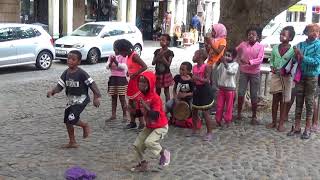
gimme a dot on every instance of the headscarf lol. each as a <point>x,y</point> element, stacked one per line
<point>220,30</point>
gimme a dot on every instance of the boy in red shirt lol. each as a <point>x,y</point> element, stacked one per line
<point>156,124</point>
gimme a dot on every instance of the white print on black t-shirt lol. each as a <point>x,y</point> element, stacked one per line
<point>71,117</point>
<point>72,83</point>
<point>183,87</point>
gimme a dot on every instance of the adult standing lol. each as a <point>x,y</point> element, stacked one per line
<point>195,27</point>
<point>250,57</point>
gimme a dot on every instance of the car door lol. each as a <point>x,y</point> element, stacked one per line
<point>27,44</point>
<point>8,51</point>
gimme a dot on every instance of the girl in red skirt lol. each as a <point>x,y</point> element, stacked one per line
<point>162,59</point>
<point>135,67</point>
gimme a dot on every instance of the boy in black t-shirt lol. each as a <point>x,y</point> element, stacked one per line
<point>183,87</point>
<point>76,82</point>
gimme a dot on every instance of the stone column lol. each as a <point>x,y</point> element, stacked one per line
<point>309,13</point>
<point>69,16</point>
<point>132,9</point>
<point>122,11</point>
<point>53,18</point>
<point>171,7</point>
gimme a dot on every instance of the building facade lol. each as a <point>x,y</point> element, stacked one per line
<point>304,11</point>
<point>61,17</point>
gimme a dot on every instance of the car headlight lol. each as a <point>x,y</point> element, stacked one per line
<point>78,46</point>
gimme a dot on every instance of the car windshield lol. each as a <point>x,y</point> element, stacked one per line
<point>88,30</point>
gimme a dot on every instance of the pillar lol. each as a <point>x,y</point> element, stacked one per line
<point>132,9</point>
<point>171,7</point>
<point>69,16</point>
<point>54,18</point>
<point>122,11</point>
<point>208,16</point>
<point>309,13</point>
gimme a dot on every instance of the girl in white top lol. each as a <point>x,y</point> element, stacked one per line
<point>227,70</point>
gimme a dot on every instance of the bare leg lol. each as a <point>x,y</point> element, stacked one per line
<point>124,107</point>
<point>85,127</point>
<point>240,104</point>
<point>195,119</point>
<point>114,100</point>
<point>167,93</point>
<point>72,140</point>
<point>158,90</point>
<point>275,105</point>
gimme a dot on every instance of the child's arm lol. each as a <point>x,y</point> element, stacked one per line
<point>174,91</point>
<point>312,60</point>
<point>96,94</point>
<point>218,50</point>
<point>259,59</point>
<point>167,62</point>
<point>138,60</point>
<point>155,57</point>
<point>58,88</point>
<point>232,69</point>
<point>153,110</point>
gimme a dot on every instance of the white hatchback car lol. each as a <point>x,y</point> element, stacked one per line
<point>274,37</point>
<point>22,44</point>
<point>95,40</point>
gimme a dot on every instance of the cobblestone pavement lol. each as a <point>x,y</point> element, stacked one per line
<point>32,132</point>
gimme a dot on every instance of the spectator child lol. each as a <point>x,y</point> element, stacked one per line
<point>76,82</point>
<point>250,57</point>
<point>215,43</point>
<point>281,85</point>
<point>156,124</point>
<point>118,83</point>
<point>183,86</point>
<point>202,93</point>
<point>226,70</point>
<point>308,53</point>
<point>162,59</point>
<point>135,67</point>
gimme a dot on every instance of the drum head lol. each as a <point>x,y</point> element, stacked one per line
<point>181,111</point>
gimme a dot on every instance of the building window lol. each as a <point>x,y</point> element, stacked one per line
<point>101,10</point>
<point>315,14</point>
<point>27,11</point>
<point>91,7</point>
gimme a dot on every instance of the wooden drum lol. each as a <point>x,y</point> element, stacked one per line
<point>181,111</point>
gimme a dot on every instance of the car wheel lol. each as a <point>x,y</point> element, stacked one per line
<point>44,60</point>
<point>137,48</point>
<point>93,56</point>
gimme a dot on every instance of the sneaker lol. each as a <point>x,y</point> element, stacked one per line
<point>207,137</point>
<point>294,132</point>
<point>131,125</point>
<point>315,129</point>
<point>306,134</point>
<point>141,167</point>
<point>164,158</point>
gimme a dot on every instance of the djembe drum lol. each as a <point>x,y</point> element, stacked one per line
<point>181,111</point>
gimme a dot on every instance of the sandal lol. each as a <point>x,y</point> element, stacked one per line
<point>306,134</point>
<point>294,132</point>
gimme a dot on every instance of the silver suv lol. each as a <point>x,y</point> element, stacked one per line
<point>95,40</point>
<point>22,44</point>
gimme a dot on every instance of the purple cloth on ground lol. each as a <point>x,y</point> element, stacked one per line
<point>77,173</point>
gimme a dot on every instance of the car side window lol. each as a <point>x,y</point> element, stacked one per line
<point>36,32</point>
<point>115,31</point>
<point>25,32</point>
<point>6,34</point>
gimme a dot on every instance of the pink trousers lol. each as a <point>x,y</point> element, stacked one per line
<point>225,98</point>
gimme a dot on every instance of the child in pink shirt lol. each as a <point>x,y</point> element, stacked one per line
<point>118,83</point>
<point>250,57</point>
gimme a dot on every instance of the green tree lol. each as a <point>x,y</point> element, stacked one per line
<point>238,15</point>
